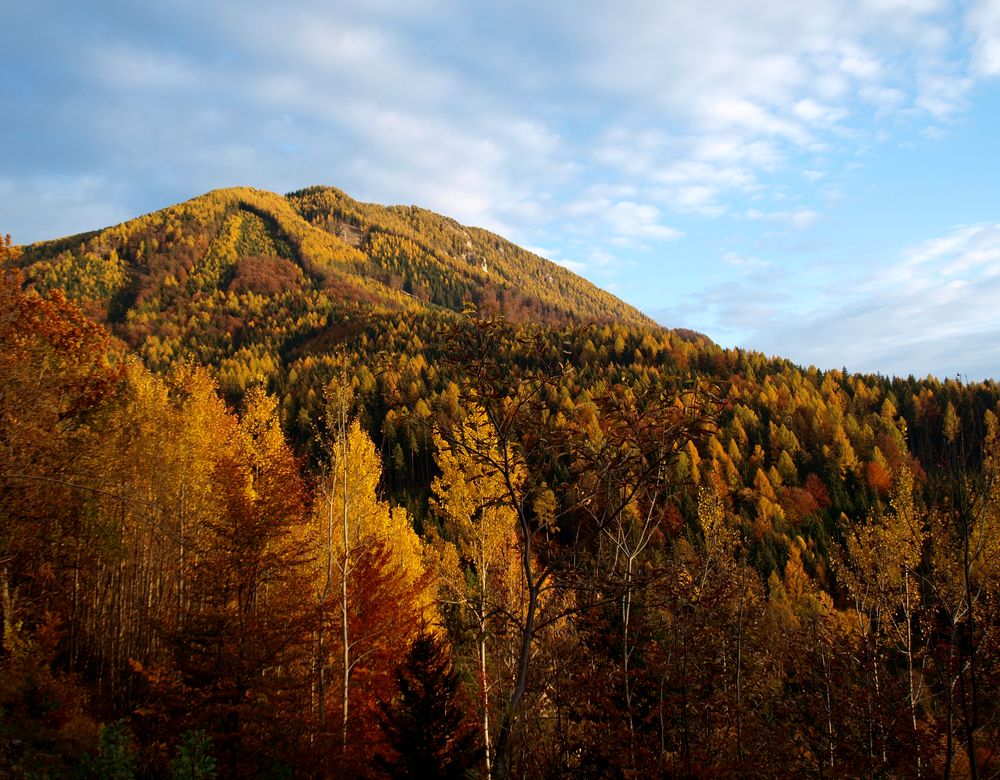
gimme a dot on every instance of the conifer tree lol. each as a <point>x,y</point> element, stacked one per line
<point>426,725</point>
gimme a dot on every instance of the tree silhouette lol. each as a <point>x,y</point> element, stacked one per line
<point>427,725</point>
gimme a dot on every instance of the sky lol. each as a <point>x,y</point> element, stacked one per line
<point>818,180</point>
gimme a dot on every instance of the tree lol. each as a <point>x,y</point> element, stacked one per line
<point>698,677</point>
<point>243,640</point>
<point>477,560</point>
<point>594,468</point>
<point>883,578</point>
<point>55,371</point>
<point>57,374</point>
<point>963,537</point>
<point>426,724</point>
<point>9,253</point>
<point>116,757</point>
<point>371,587</point>
<point>193,760</point>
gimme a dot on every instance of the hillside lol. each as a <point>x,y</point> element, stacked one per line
<point>239,279</point>
<point>315,248</point>
<point>649,555</point>
<point>294,291</point>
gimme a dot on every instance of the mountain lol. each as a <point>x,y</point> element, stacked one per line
<point>650,556</point>
<point>297,290</point>
<point>317,240</point>
<point>240,279</point>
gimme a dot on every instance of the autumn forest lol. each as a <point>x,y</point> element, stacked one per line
<point>298,486</point>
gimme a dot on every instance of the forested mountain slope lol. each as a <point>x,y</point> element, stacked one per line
<point>291,291</point>
<point>648,555</point>
<point>214,258</point>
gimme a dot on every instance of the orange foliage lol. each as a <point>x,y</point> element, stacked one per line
<point>818,490</point>
<point>265,275</point>
<point>878,478</point>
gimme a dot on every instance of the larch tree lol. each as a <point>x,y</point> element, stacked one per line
<point>964,549</point>
<point>57,370</point>
<point>244,638</point>
<point>371,584</point>
<point>477,562</point>
<point>883,579</point>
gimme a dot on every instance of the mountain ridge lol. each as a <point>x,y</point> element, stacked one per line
<point>391,255</point>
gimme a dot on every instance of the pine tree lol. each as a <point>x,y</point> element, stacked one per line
<point>426,725</point>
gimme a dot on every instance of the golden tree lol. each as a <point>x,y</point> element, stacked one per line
<point>371,585</point>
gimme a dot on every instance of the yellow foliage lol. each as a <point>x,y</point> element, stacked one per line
<point>354,472</point>
<point>473,501</point>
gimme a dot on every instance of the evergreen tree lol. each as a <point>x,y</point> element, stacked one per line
<point>115,759</point>
<point>426,725</point>
<point>193,760</point>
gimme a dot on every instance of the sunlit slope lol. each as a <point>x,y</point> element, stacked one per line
<point>445,263</point>
<point>242,240</point>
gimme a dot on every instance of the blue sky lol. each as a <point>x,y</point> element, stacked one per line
<point>818,180</point>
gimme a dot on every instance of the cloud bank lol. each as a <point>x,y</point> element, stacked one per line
<point>933,311</point>
<point>645,143</point>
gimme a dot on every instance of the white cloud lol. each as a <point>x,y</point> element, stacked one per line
<point>732,148</point>
<point>859,64</point>
<point>712,98</point>
<point>813,113</point>
<point>932,311</point>
<point>800,218</point>
<point>126,66</point>
<point>346,101</point>
<point>722,113</point>
<point>733,93</point>
<point>573,265</point>
<point>635,220</point>
<point>983,22</point>
<point>83,203</point>
<point>621,220</point>
<point>597,129</point>
<point>893,8</point>
<point>886,100</point>
<point>942,94</point>
<point>736,260</point>
<point>966,248</point>
<point>602,259</point>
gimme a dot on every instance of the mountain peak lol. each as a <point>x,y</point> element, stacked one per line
<point>246,277</point>
<point>393,255</point>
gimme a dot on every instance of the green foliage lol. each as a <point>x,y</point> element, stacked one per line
<point>193,760</point>
<point>291,292</point>
<point>116,756</point>
<point>85,276</point>
<point>439,261</point>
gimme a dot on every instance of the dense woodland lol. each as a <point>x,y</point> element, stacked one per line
<point>308,487</point>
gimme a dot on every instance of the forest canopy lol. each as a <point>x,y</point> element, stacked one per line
<point>303,485</point>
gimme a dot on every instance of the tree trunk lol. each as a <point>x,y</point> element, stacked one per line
<point>345,572</point>
<point>501,768</point>
<point>484,696</point>
<point>626,655</point>
<point>7,605</point>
